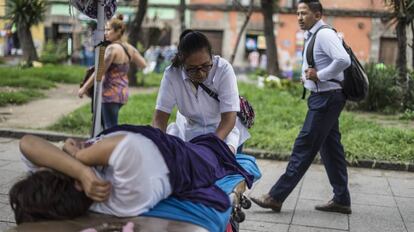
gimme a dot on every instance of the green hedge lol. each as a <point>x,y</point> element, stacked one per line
<point>54,52</point>
<point>18,97</point>
<point>384,96</point>
<point>46,74</point>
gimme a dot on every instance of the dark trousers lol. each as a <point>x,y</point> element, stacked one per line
<point>320,132</point>
<point>110,114</point>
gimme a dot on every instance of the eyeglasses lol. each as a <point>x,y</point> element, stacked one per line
<point>195,70</point>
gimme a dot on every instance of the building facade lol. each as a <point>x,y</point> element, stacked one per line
<point>360,23</point>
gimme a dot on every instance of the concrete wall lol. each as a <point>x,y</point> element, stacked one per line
<point>356,32</point>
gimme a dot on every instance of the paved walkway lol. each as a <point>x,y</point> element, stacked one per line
<point>383,201</point>
<point>46,111</point>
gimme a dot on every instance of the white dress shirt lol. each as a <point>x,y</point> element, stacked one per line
<point>198,113</point>
<point>330,57</point>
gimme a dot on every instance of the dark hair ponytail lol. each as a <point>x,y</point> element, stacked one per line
<point>190,42</point>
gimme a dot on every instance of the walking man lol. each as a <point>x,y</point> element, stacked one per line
<point>320,131</point>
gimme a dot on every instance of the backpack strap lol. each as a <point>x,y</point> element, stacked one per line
<point>310,55</point>
<point>309,50</point>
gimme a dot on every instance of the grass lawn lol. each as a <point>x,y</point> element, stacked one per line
<point>280,115</point>
<point>18,97</point>
<point>19,85</point>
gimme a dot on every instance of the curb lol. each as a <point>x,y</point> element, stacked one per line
<point>48,135</point>
<point>373,164</point>
<point>259,154</point>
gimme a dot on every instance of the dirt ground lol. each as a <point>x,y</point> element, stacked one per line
<point>386,120</point>
<point>44,112</point>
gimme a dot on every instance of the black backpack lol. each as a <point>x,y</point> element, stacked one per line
<point>355,84</point>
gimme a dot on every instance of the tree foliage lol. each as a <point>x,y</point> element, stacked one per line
<point>25,14</point>
<point>402,15</point>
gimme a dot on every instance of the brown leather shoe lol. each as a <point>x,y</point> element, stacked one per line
<point>332,206</point>
<point>267,202</point>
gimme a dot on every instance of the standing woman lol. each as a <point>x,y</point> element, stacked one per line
<point>118,55</point>
<point>198,112</point>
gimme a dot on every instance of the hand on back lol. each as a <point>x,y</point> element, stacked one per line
<point>94,187</point>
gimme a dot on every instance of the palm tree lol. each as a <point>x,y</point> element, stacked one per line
<point>410,95</point>
<point>268,7</point>
<point>25,14</point>
<point>402,15</point>
<point>410,14</point>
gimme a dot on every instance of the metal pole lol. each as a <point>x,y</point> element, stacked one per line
<point>99,54</point>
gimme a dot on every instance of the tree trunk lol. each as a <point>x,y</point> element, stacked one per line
<point>134,30</point>
<point>271,49</point>
<point>402,52</point>
<point>26,43</point>
<point>246,21</point>
<point>182,15</point>
<point>410,96</point>
<point>412,45</point>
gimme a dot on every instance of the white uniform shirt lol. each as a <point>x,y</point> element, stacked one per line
<point>138,174</point>
<point>330,57</point>
<point>198,112</point>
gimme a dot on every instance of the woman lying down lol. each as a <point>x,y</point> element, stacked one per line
<point>124,172</point>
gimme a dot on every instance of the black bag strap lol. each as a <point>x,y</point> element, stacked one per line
<point>210,92</point>
<point>126,51</point>
<point>309,54</point>
<point>309,50</point>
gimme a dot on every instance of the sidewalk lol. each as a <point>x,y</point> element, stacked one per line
<point>382,200</point>
<point>46,111</point>
<point>43,112</point>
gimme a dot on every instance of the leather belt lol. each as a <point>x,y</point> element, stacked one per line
<point>327,92</point>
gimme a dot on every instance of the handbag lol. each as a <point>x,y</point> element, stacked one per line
<point>88,74</point>
<point>246,113</point>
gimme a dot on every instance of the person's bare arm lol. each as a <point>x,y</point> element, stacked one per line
<point>138,60</point>
<point>108,59</point>
<point>100,152</point>
<point>88,84</point>
<point>228,120</point>
<point>160,120</point>
<point>44,154</point>
<point>71,146</point>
